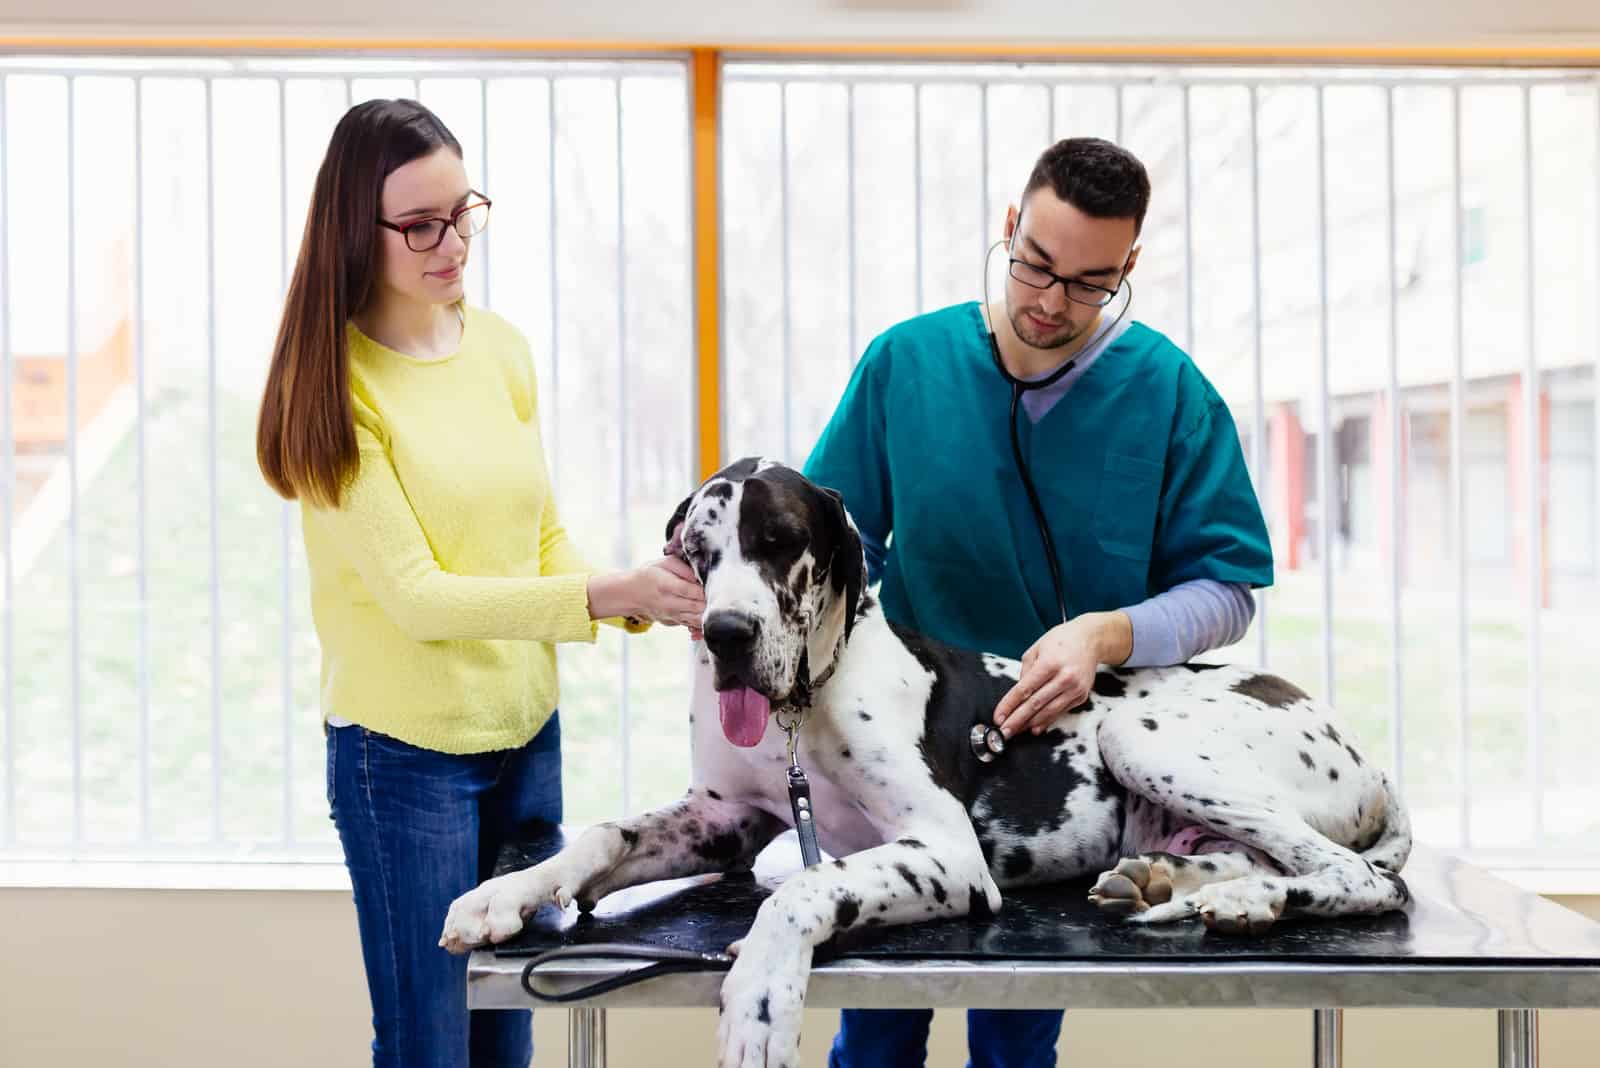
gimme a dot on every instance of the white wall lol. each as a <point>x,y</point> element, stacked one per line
<point>1483,23</point>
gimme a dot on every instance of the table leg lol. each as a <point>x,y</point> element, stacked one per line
<point>1327,1037</point>
<point>586,1038</point>
<point>1519,1038</point>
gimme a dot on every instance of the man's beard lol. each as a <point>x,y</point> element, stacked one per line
<point>1065,334</point>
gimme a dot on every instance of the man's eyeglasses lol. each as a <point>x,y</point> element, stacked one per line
<point>425,235</point>
<point>1078,291</point>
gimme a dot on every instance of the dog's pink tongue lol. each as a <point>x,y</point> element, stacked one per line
<point>744,716</point>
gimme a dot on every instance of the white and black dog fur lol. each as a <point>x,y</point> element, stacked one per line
<point>1253,780</point>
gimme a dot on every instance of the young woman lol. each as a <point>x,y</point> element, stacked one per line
<point>406,424</point>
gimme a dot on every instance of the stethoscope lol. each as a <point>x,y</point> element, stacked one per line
<point>985,739</point>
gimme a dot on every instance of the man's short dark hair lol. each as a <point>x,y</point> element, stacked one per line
<point>1100,179</point>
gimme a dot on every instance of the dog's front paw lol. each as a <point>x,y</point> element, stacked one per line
<point>1239,906</point>
<point>762,1002</point>
<point>496,910</point>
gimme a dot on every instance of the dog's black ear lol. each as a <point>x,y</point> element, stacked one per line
<point>674,545</point>
<point>846,567</point>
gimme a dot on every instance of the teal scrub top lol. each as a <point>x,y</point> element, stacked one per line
<point>1139,469</point>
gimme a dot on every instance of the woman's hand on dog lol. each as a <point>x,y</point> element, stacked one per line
<point>664,591</point>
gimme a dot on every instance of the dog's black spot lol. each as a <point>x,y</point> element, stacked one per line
<point>1144,693</point>
<point>839,864</point>
<point>1305,758</point>
<point>1205,758</point>
<point>1149,724</point>
<point>1167,779</point>
<point>1332,735</point>
<point>1197,668</point>
<point>1082,749</point>
<point>1297,898</point>
<point>938,890</point>
<point>1206,865</point>
<point>1108,685</point>
<point>1398,883</point>
<point>910,877</point>
<point>849,907</point>
<point>1269,690</point>
<point>1353,755</point>
<point>1308,736</point>
<point>631,838</point>
<point>1032,792</point>
<point>845,752</point>
<point>713,794</point>
<point>764,1011</point>
<point>977,904</point>
<point>1333,774</point>
<point>723,491</point>
<point>1107,788</point>
<point>722,847</point>
<point>913,843</point>
<point>1018,862</point>
<point>866,718</point>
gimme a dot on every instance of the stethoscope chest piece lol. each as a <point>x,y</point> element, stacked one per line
<point>987,742</point>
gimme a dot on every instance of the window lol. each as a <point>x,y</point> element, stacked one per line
<point>162,666</point>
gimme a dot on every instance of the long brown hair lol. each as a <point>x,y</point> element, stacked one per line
<point>306,435</point>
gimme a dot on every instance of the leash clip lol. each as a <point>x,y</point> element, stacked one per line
<point>805,822</point>
<point>789,721</point>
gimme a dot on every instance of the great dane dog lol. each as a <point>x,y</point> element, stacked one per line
<point>1210,792</point>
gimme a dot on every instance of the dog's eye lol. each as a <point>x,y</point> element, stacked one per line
<point>783,537</point>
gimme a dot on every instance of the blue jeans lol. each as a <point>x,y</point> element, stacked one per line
<point>898,1038</point>
<point>420,828</point>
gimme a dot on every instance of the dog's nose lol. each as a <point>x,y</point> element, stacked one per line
<point>730,632</point>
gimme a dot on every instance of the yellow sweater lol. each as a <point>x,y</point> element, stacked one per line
<point>443,580</point>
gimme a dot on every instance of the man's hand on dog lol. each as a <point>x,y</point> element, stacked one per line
<point>1058,670</point>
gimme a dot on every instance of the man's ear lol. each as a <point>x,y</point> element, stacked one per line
<point>847,571</point>
<point>1133,259</point>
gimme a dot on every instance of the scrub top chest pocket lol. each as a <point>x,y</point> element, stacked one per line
<point>1125,506</point>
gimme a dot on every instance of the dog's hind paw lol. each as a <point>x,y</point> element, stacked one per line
<point>1133,886</point>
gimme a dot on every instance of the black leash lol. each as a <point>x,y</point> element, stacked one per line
<point>666,962</point>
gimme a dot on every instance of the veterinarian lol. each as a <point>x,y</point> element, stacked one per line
<point>406,424</point>
<point>1120,457</point>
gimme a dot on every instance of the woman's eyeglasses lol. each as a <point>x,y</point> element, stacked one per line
<point>425,235</point>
